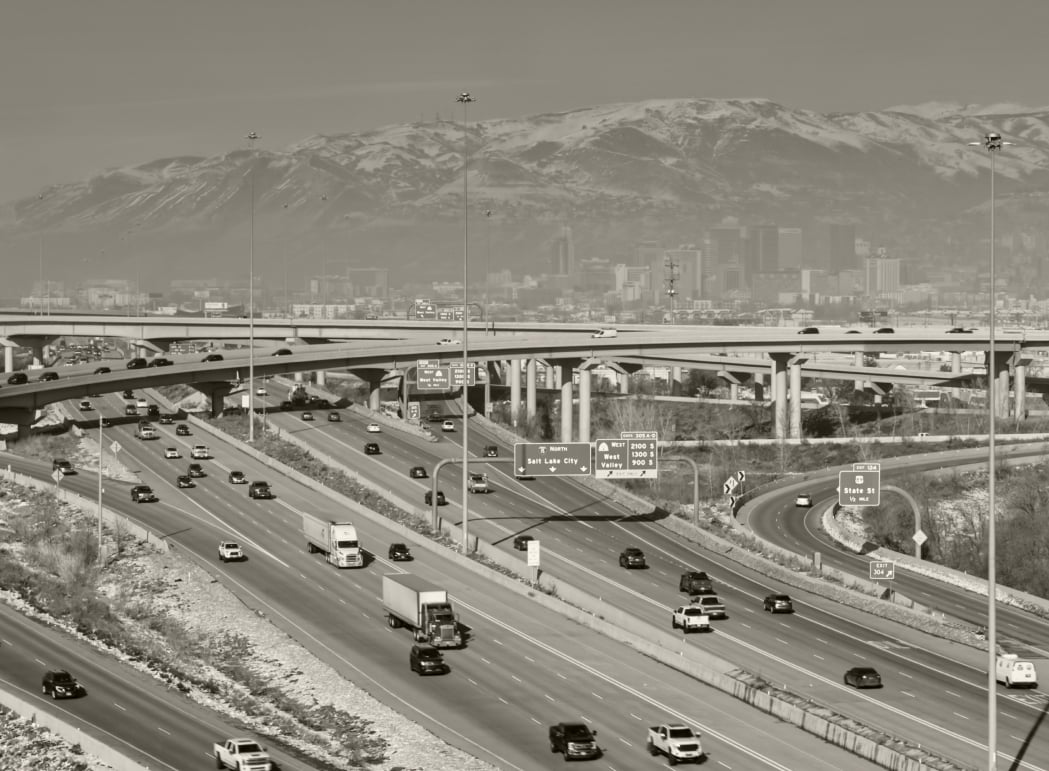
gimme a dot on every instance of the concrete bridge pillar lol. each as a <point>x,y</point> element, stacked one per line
<point>998,368</point>
<point>300,377</point>
<point>9,358</point>
<point>530,390</point>
<point>550,378</point>
<point>515,390</point>
<point>565,372</point>
<point>674,386</point>
<point>733,391</point>
<point>320,379</point>
<point>39,353</point>
<point>779,367</point>
<point>624,383</point>
<point>217,393</point>
<point>956,369</point>
<point>584,405</point>
<point>795,400</point>
<point>1020,389</point>
<point>374,378</point>
<point>857,361</point>
<point>759,387</point>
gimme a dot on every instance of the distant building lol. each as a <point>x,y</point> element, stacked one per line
<point>687,263</point>
<point>562,255</point>
<point>791,248</point>
<point>761,249</point>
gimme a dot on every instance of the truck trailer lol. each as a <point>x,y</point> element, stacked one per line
<point>415,603</point>
<point>336,540</point>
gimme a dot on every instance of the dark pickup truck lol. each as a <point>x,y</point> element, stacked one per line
<point>574,741</point>
<point>696,582</point>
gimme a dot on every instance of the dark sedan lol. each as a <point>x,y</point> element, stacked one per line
<point>863,677</point>
<point>399,552</point>
<point>778,603</point>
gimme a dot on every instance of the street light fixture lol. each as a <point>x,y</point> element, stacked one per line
<point>251,137</point>
<point>993,144</point>
<point>465,99</point>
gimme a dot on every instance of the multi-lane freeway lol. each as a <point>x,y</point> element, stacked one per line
<point>523,668</point>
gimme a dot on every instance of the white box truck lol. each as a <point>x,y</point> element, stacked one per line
<point>336,540</point>
<point>415,603</point>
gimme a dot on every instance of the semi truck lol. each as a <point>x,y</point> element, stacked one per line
<point>336,540</point>
<point>413,602</point>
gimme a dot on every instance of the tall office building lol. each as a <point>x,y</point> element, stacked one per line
<point>883,276</point>
<point>842,247</point>
<point>726,245</point>
<point>761,249</point>
<point>791,248</point>
<point>562,256</point>
<point>646,252</point>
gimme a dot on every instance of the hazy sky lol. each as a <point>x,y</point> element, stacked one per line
<point>92,84</point>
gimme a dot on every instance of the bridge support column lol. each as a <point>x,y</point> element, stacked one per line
<point>39,354</point>
<point>674,386</point>
<point>319,378</point>
<point>515,390</point>
<point>565,371</point>
<point>857,361</point>
<point>1020,388</point>
<point>779,394</point>
<point>759,387</point>
<point>998,368</point>
<point>9,358</point>
<point>956,369</point>
<point>217,393</point>
<point>795,400</point>
<point>300,377</point>
<point>733,391</point>
<point>530,390</point>
<point>549,376</point>
<point>584,405</point>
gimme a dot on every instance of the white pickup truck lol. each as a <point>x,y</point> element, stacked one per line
<point>678,742</point>
<point>243,755</point>
<point>691,618</point>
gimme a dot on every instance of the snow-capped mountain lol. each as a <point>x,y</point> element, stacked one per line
<point>617,174</point>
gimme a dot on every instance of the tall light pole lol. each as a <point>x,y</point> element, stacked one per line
<point>465,99</point>
<point>251,137</point>
<point>993,144</point>
<point>488,264</point>
<point>40,197</point>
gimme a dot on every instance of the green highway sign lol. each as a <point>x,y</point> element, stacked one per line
<point>535,459</point>
<point>432,379</point>
<point>627,457</point>
<point>859,488</point>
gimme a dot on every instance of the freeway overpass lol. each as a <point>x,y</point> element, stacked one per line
<point>567,352</point>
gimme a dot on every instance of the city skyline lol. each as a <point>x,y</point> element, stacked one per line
<point>118,82</point>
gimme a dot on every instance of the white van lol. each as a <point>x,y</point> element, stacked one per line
<point>1014,671</point>
<point>607,332</point>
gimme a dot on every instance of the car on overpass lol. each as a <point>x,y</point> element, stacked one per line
<point>137,363</point>
<point>47,375</point>
<point>212,357</point>
<point>608,332</point>
<point>18,378</point>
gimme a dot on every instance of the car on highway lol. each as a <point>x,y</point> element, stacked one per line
<point>107,423</point>
<point>260,490</point>
<point>143,494</point>
<point>165,420</point>
<point>863,677</point>
<point>427,660</point>
<point>695,582</point>
<point>260,391</point>
<point>711,605</point>
<point>449,341</point>
<point>212,357</point>
<point>18,378</point>
<point>441,500</point>
<point>130,409</point>
<point>885,331</point>
<point>307,416</point>
<point>196,471</point>
<point>182,429</point>
<point>334,417</point>
<point>448,426</point>
<point>691,618</point>
<point>521,542</point>
<point>47,375</point>
<point>809,331</point>
<point>803,499</point>
<point>281,352</point>
<point>372,448</point>
<point>200,452</point>
<point>142,404</point>
<point>160,361</point>
<point>778,603</point>
<point>609,332</point>
<point>129,394</point>
<point>85,406</point>
<point>478,483</point>
<point>491,451</point>
<point>435,417</point>
<point>183,481</point>
<point>399,552</point>
<point>137,363</point>
<point>237,478</point>
<point>62,466</point>
<point>373,428</point>
<point>230,551</point>
<point>172,453</point>
<point>959,331</point>
<point>59,684</point>
<point>418,472</point>
<point>102,371</point>
<point>632,557</point>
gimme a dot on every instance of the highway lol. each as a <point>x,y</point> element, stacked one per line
<point>523,668</point>
<point>807,652</point>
